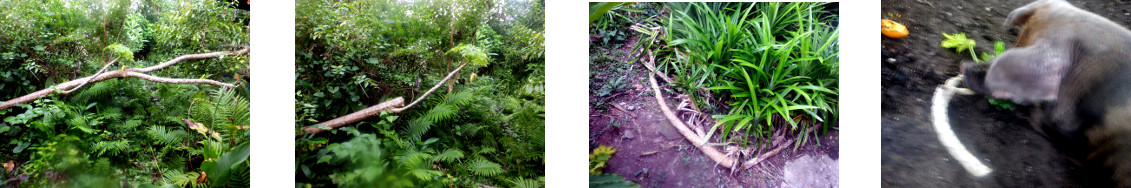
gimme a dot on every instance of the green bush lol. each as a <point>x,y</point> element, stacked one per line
<point>487,130</point>
<point>773,62</point>
<point>122,132</point>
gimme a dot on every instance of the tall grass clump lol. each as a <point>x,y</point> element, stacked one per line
<point>774,62</point>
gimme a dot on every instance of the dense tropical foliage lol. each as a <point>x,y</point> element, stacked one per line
<point>123,132</point>
<point>485,128</point>
<point>757,66</point>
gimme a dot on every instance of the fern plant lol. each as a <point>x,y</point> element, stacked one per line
<point>485,130</point>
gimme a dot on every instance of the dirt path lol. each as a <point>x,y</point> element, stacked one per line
<point>652,153</point>
<point>1002,139</point>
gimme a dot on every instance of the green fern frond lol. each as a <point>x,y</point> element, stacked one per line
<point>81,122</point>
<point>484,167</point>
<point>235,110</point>
<point>241,176</point>
<point>223,111</point>
<point>440,112</point>
<point>525,183</point>
<point>109,112</point>
<point>468,130</point>
<point>417,127</point>
<point>415,159</point>
<point>425,174</point>
<point>130,124</point>
<point>459,98</point>
<point>95,90</point>
<point>203,111</point>
<point>449,155</point>
<point>102,163</point>
<point>166,137</point>
<point>182,180</point>
<point>113,147</point>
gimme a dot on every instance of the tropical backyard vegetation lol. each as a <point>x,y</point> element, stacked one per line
<point>430,93</point>
<point>124,93</point>
<point>742,82</point>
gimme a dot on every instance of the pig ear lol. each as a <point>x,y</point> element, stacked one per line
<point>1028,74</point>
<point>1021,15</point>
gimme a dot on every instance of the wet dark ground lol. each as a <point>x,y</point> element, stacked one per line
<point>652,153</point>
<point>912,67</point>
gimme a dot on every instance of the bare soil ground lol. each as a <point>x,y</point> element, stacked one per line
<point>913,66</point>
<point>652,153</point>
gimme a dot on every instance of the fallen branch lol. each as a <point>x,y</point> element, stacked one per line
<point>394,105</point>
<point>70,86</point>
<point>103,70</point>
<point>715,155</point>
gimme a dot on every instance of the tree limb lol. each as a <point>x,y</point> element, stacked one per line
<point>189,57</point>
<point>103,70</point>
<point>394,106</point>
<point>718,157</point>
<point>715,155</point>
<point>69,86</point>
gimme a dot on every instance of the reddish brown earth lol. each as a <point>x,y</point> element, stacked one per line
<point>652,153</point>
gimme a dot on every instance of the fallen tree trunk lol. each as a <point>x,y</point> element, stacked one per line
<point>394,106</point>
<point>69,86</point>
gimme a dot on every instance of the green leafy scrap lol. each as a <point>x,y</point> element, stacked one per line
<point>959,42</point>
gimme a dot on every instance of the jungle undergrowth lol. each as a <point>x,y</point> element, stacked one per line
<point>483,128</point>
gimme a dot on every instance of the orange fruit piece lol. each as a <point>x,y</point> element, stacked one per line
<point>892,29</point>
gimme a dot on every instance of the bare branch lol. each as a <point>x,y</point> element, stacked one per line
<point>95,75</point>
<point>189,57</point>
<point>70,86</point>
<point>393,106</point>
<point>711,152</point>
<point>418,99</point>
<point>356,116</point>
<point>177,80</point>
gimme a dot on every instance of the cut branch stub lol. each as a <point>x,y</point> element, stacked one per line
<point>69,86</point>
